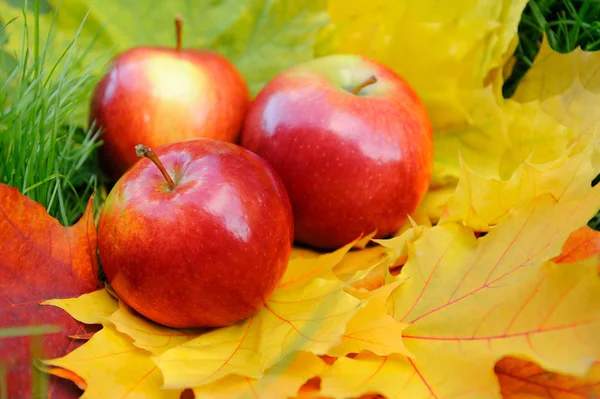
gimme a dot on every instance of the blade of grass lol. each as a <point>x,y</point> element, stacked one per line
<point>39,135</point>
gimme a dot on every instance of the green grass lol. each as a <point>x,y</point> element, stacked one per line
<point>567,24</point>
<point>42,150</point>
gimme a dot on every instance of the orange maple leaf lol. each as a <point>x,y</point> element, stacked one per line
<point>582,244</point>
<point>521,379</point>
<point>40,260</point>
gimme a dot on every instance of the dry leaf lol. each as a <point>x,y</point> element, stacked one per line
<point>480,202</point>
<point>281,381</point>
<point>65,374</point>
<point>566,85</point>
<point>307,312</point>
<point>39,260</point>
<point>372,328</point>
<point>499,136</point>
<point>147,335</point>
<point>104,308</point>
<point>306,264</point>
<point>469,302</point>
<point>581,245</point>
<point>351,269</point>
<point>92,308</point>
<point>521,379</point>
<point>301,317</point>
<point>113,367</point>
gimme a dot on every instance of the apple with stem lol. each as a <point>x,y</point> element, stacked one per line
<point>196,234</point>
<point>158,95</point>
<point>352,143</point>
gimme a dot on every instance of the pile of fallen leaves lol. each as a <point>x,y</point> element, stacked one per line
<point>492,290</point>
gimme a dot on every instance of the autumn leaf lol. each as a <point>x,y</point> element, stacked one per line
<point>260,37</point>
<point>113,364</point>
<point>365,268</point>
<point>147,335</point>
<point>65,374</point>
<point>581,245</point>
<point>113,367</point>
<point>521,379</point>
<point>286,375</point>
<point>91,308</point>
<point>39,260</point>
<point>306,264</point>
<point>103,308</point>
<point>299,317</point>
<point>567,86</point>
<point>308,312</point>
<point>368,373</point>
<point>480,202</point>
<point>281,381</point>
<point>469,302</point>
<point>372,328</point>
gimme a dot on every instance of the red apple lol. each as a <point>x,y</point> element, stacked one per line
<point>352,143</point>
<point>158,95</point>
<point>206,251</point>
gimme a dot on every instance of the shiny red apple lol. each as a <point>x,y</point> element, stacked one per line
<point>203,244</point>
<point>158,95</point>
<point>352,143</point>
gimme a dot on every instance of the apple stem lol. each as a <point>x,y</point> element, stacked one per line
<point>143,151</point>
<point>370,81</point>
<point>178,29</point>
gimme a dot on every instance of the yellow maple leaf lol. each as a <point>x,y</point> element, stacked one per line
<point>480,201</point>
<point>113,367</point>
<point>566,85</point>
<point>92,308</point>
<point>372,328</point>
<point>307,312</point>
<point>311,318</point>
<point>305,265</point>
<point>352,268</point>
<point>500,136</point>
<point>147,335</point>
<point>283,380</point>
<point>468,302</point>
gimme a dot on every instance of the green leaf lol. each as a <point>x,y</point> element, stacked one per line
<point>261,37</point>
